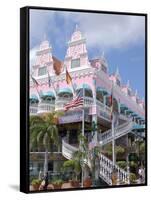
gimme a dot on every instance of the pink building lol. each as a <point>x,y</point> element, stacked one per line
<point>98,85</point>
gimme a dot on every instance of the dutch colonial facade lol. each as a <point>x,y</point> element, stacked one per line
<point>92,76</point>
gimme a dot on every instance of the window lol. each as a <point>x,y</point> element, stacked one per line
<point>42,71</point>
<point>75,63</point>
<point>129,92</point>
<point>118,82</point>
<point>104,68</point>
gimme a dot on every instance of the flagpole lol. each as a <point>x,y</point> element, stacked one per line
<point>113,131</point>
<point>50,82</point>
<point>113,140</point>
<point>83,112</point>
<point>70,81</point>
<point>83,135</point>
<point>37,84</point>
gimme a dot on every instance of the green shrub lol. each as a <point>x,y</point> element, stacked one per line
<point>142,147</point>
<point>133,178</point>
<point>35,182</point>
<point>122,164</point>
<point>57,182</point>
<point>133,164</point>
<point>119,150</point>
<point>69,164</point>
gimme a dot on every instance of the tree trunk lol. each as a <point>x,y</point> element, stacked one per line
<point>46,161</point>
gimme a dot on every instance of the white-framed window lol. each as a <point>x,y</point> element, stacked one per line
<point>75,63</point>
<point>42,71</point>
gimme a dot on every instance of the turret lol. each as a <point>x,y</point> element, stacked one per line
<point>76,55</point>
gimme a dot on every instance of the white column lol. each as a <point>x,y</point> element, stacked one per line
<point>113,141</point>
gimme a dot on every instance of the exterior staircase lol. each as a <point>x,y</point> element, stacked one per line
<point>106,165</point>
<point>119,131</point>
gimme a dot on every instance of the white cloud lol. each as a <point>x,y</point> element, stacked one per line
<point>111,31</point>
<point>104,31</point>
<point>32,55</point>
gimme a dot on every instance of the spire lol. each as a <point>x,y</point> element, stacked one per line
<point>103,55</point>
<point>117,72</point>
<point>136,92</point>
<point>76,28</point>
<point>128,83</point>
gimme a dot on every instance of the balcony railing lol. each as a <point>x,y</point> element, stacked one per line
<point>49,106</point>
<point>46,107</point>
<point>60,103</point>
<point>33,109</point>
<point>88,101</point>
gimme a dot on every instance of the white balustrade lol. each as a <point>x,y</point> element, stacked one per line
<point>106,169</point>
<point>60,103</point>
<point>106,165</point>
<point>120,131</point>
<point>46,106</point>
<point>88,101</point>
<point>33,109</point>
<point>68,150</point>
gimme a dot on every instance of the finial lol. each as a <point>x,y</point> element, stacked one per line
<point>117,71</point>
<point>76,27</point>
<point>128,83</point>
<point>102,56</point>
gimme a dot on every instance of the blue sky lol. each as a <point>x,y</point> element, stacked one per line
<point>121,37</point>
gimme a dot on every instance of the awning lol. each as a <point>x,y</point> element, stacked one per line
<point>123,106</point>
<point>33,97</point>
<point>138,117</point>
<point>85,86</point>
<point>49,93</point>
<point>129,111</point>
<point>133,114</point>
<point>102,90</point>
<point>65,90</point>
<point>139,126</point>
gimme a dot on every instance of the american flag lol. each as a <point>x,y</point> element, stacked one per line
<point>76,102</point>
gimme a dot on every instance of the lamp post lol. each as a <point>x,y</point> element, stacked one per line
<point>94,129</point>
<point>128,163</point>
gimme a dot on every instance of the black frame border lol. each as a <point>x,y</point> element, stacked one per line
<point>24,95</point>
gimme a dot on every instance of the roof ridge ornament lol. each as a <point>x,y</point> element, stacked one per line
<point>76,27</point>
<point>128,83</point>
<point>117,72</point>
<point>103,55</point>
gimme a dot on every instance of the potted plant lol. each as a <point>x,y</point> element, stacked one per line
<point>57,184</point>
<point>87,182</point>
<point>35,184</point>
<point>133,178</point>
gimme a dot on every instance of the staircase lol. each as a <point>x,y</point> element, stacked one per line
<point>106,165</point>
<point>119,131</point>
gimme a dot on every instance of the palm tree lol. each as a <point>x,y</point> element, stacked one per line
<point>80,157</point>
<point>44,131</point>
